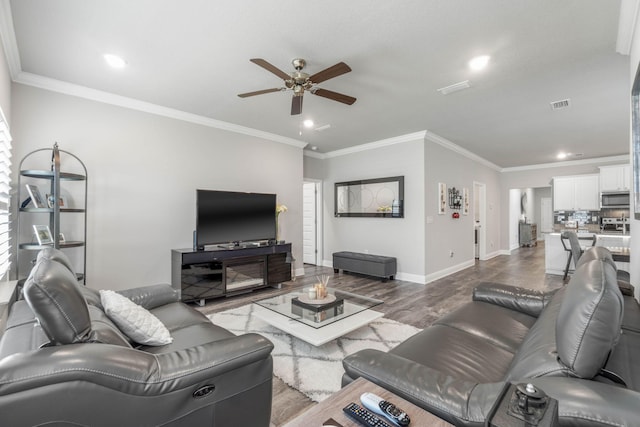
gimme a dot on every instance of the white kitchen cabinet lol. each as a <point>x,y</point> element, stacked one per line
<point>576,193</point>
<point>615,178</point>
<point>564,193</point>
<point>587,194</point>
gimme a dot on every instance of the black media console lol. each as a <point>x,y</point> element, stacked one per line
<point>220,272</point>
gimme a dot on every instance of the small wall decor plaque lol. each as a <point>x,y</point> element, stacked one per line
<point>442,198</point>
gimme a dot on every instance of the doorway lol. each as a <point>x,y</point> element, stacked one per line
<point>311,222</point>
<point>479,220</point>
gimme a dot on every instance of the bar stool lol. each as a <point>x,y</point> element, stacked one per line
<point>574,249</point>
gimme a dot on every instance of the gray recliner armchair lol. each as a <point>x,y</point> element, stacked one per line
<point>64,362</point>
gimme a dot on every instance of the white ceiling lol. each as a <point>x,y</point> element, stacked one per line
<point>193,56</point>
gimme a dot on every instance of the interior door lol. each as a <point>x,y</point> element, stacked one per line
<point>309,223</point>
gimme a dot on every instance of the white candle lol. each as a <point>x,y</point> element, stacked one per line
<point>312,293</point>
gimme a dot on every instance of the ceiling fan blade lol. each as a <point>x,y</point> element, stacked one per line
<point>259,92</point>
<point>272,68</point>
<point>345,99</point>
<point>296,105</point>
<point>337,70</point>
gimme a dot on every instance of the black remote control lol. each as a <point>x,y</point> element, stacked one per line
<point>363,416</point>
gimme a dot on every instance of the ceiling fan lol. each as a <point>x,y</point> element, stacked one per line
<point>299,82</point>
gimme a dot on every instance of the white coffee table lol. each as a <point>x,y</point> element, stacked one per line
<point>318,324</point>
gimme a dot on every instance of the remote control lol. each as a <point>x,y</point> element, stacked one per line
<point>380,406</point>
<point>363,416</point>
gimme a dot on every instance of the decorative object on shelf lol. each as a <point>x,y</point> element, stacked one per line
<point>465,201</point>
<point>36,197</point>
<point>43,234</point>
<point>442,198</point>
<point>62,201</point>
<point>455,215</point>
<point>279,209</point>
<point>455,199</point>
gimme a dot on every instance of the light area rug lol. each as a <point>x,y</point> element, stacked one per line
<point>314,371</point>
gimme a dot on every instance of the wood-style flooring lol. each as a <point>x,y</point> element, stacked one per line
<point>406,302</point>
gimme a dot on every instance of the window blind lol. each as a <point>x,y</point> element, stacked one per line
<point>5,188</point>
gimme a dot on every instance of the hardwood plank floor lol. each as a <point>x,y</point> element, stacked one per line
<point>406,302</point>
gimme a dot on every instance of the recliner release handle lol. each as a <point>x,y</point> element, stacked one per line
<point>204,391</point>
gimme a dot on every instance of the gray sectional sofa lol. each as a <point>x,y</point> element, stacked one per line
<point>579,344</point>
<point>63,361</point>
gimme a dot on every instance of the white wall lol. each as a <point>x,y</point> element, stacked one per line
<point>402,238</point>
<point>5,86</point>
<point>143,172</point>
<point>635,224</point>
<point>446,234</point>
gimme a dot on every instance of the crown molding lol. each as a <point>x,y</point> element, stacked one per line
<point>147,107</point>
<point>314,154</point>
<point>598,160</point>
<point>627,25</point>
<point>8,36</point>
<point>377,144</point>
<point>462,151</point>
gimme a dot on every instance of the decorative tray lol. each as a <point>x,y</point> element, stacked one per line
<point>328,299</point>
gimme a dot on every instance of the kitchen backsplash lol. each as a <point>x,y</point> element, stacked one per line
<point>589,220</point>
<point>580,217</point>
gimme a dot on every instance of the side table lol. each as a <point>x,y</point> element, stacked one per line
<point>332,408</point>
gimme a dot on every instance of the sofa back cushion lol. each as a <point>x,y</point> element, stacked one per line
<point>51,291</point>
<point>91,295</point>
<point>589,319</point>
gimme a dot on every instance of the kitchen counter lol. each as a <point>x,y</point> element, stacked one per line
<point>556,257</point>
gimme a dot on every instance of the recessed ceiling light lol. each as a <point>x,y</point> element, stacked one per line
<point>479,62</point>
<point>308,123</point>
<point>115,61</point>
<point>314,148</point>
<point>563,155</point>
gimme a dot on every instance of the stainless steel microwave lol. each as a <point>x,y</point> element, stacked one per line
<point>614,200</point>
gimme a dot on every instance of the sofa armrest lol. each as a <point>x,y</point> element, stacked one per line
<point>591,403</point>
<point>135,372</point>
<point>456,401</point>
<point>152,296</point>
<point>524,300</point>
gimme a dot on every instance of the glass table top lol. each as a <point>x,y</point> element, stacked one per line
<point>318,313</point>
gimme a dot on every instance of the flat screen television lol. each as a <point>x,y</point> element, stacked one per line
<point>224,217</point>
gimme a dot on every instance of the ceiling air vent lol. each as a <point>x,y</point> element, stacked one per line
<point>557,105</point>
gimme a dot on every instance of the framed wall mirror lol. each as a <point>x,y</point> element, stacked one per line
<point>635,142</point>
<point>380,197</point>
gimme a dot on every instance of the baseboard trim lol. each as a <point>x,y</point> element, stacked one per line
<point>413,278</point>
<point>447,271</point>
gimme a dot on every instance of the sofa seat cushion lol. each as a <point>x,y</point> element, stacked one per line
<point>178,315</point>
<point>188,328</point>
<point>480,319</point>
<point>456,353</point>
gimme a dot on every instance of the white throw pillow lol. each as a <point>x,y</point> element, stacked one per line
<point>133,320</point>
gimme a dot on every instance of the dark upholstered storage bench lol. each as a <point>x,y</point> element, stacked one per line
<point>372,265</point>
